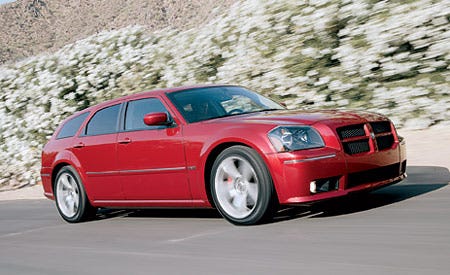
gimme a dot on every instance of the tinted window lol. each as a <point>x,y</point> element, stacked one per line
<point>71,127</point>
<point>212,102</point>
<point>104,121</point>
<point>137,109</point>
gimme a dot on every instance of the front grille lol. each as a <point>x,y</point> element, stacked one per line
<point>355,138</point>
<point>356,147</point>
<point>385,142</point>
<point>381,127</point>
<point>351,131</point>
<point>374,175</point>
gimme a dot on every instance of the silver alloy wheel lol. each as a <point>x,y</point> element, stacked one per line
<point>236,185</point>
<point>67,194</point>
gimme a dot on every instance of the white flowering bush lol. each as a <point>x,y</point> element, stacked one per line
<point>392,57</point>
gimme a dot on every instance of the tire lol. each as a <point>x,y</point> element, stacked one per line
<point>241,186</point>
<point>70,197</point>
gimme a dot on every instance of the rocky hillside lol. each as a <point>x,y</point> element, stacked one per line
<point>392,57</point>
<point>30,27</point>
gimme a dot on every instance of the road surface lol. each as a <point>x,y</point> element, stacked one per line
<point>401,229</point>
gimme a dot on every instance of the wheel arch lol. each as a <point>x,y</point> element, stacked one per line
<point>214,153</point>
<point>68,159</point>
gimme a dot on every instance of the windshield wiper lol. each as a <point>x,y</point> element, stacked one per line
<point>264,110</point>
<point>246,113</point>
<point>272,109</point>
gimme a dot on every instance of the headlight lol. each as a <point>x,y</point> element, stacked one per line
<point>291,138</point>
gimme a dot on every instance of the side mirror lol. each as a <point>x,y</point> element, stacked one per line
<point>153,119</point>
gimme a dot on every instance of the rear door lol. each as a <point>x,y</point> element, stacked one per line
<point>95,150</point>
<point>151,159</point>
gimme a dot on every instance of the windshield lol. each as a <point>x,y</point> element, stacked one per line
<point>212,102</point>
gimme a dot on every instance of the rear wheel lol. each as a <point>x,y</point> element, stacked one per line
<point>70,196</point>
<point>241,186</point>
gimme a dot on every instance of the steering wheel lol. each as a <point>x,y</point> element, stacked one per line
<point>235,112</point>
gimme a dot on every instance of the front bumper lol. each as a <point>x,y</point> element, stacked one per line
<point>353,173</point>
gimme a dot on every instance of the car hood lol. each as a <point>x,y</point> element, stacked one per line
<point>306,117</point>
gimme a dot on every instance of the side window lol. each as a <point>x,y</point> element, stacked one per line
<point>137,109</point>
<point>104,121</point>
<point>71,127</point>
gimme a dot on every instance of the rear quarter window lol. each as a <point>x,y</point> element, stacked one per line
<point>70,128</point>
<point>104,121</point>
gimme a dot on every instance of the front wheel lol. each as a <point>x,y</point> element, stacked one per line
<point>70,196</point>
<point>241,186</point>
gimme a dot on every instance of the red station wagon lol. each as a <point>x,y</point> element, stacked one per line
<point>214,146</point>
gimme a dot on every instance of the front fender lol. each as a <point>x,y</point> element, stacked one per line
<point>201,149</point>
<point>256,141</point>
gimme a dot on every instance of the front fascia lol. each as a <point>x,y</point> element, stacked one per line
<point>300,168</point>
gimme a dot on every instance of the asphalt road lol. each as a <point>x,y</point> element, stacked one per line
<point>401,229</point>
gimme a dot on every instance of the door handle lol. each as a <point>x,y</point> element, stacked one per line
<point>79,145</point>
<point>124,141</point>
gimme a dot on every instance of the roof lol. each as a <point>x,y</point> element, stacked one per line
<point>156,92</point>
